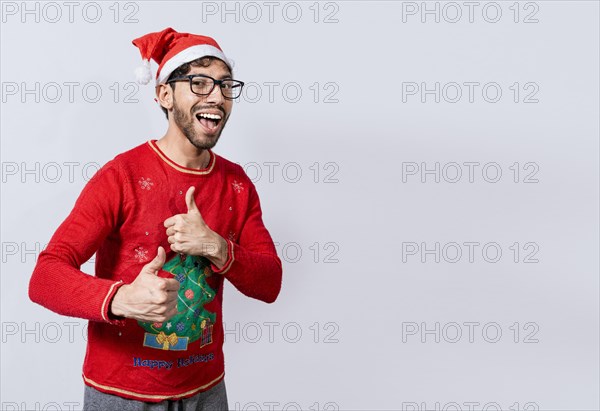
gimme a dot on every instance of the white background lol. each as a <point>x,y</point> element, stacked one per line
<point>364,303</point>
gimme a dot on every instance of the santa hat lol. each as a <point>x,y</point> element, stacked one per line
<point>170,49</point>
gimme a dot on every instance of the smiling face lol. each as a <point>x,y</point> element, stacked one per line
<point>201,119</point>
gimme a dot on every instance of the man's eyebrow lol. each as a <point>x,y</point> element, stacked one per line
<point>224,76</point>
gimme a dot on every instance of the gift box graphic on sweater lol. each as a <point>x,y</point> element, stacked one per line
<point>192,321</point>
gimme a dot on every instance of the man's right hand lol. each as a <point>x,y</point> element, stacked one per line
<point>148,298</point>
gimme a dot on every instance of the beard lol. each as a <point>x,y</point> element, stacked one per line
<point>187,123</point>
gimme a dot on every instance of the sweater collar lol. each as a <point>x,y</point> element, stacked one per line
<point>203,171</point>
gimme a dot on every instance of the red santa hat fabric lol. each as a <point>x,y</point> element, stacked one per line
<point>170,49</point>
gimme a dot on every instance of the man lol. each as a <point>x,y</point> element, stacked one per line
<point>169,220</point>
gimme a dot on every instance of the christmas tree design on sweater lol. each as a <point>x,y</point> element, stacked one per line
<point>192,321</point>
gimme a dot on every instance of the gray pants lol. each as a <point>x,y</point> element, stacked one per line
<point>215,399</point>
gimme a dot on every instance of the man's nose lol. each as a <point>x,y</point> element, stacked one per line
<point>215,95</point>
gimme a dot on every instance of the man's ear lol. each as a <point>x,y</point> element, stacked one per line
<point>164,95</point>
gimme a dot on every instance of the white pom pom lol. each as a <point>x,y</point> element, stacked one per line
<point>143,74</point>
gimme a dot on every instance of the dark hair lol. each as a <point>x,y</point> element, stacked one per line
<point>185,69</point>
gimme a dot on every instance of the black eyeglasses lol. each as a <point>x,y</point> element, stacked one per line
<point>204,85</point>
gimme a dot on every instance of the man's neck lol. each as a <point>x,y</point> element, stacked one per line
<point>181,151</point>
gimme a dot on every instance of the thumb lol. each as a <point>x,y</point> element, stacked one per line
<point>156,264</point>
<point>189,200</point>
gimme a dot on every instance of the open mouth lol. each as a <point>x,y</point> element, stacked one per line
<point>210,121</point>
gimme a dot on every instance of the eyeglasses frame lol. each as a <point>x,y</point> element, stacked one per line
<point>190,77</point>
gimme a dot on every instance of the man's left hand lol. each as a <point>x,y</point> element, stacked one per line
<point>189,234</point>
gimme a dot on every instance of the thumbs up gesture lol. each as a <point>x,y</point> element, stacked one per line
<point>148,298</point>
<point>188,233</point>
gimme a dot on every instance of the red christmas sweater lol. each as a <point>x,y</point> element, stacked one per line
<point>119,216</point>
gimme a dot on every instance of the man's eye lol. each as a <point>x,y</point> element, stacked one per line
<point>199,83</point>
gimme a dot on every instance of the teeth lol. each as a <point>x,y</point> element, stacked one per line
<point>211,116</point>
